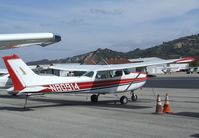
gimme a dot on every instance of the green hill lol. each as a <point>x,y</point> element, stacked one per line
<point>182,47</point>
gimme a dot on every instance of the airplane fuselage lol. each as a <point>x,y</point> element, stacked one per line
<point>84,84</point>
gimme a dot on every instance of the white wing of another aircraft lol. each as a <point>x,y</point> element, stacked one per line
<point>9,41</point>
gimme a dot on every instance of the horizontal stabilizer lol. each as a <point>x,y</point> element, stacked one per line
<point>32,89</point>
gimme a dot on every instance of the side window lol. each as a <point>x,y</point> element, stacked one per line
<point>118,73</point>
<point>109,74</point>
<point>102,74</point>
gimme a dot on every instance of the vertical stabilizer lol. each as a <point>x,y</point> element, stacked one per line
<point>20,74</point>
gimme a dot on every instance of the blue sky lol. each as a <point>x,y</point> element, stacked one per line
<point>86,25</point>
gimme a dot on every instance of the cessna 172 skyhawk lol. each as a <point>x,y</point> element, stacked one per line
<point>102,79</point>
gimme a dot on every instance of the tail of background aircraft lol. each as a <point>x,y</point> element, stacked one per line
<point>21,75</point>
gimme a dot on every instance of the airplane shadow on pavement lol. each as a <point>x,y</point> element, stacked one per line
<point>20,109</point>
<point>188,114</point>
<point>59,102</point>
<point>107,103</point>
<point>195,135</point>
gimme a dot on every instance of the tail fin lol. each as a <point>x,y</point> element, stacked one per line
<point>21,75</point>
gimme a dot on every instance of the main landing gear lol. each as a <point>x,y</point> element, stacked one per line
<point>123,99</point>
<point>94,98</point>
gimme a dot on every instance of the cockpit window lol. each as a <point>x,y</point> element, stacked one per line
<point>89,74</point>
<point>118,73</point>
<point>103,74</point>
<point>126,71</point>
<point>109,74</point>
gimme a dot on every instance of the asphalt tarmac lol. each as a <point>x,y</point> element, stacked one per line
<point>173,82</point>
<point>73,116</point>
<point>179,80</point>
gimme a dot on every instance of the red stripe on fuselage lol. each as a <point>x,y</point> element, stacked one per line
<point>89,85</point>
<point>86,85</point>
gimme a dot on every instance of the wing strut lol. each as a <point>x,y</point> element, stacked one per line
<point>133,81</point>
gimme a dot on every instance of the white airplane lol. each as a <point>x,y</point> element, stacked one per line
<point>102,79</point>
<point>9,41</point>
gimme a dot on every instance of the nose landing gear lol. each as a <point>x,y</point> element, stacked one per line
<point>134,97</point>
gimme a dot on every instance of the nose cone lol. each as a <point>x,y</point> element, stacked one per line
<point>57,38</point>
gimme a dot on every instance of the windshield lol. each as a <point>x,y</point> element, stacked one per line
<point>126,71</point>
<point>89,74</point>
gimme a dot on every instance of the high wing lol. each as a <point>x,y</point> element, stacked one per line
<point>8,41</point>
<point>78,67</point>
<point>72,67</point>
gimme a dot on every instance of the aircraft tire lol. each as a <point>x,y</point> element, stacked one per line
<point>123,100</point>
<point>134,97</point>
<point>94,98</point>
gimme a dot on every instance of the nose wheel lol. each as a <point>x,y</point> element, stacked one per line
<point>134,97</point>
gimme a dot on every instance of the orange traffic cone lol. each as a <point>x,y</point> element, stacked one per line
<point>158,105</point>
<point>167,108</point>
